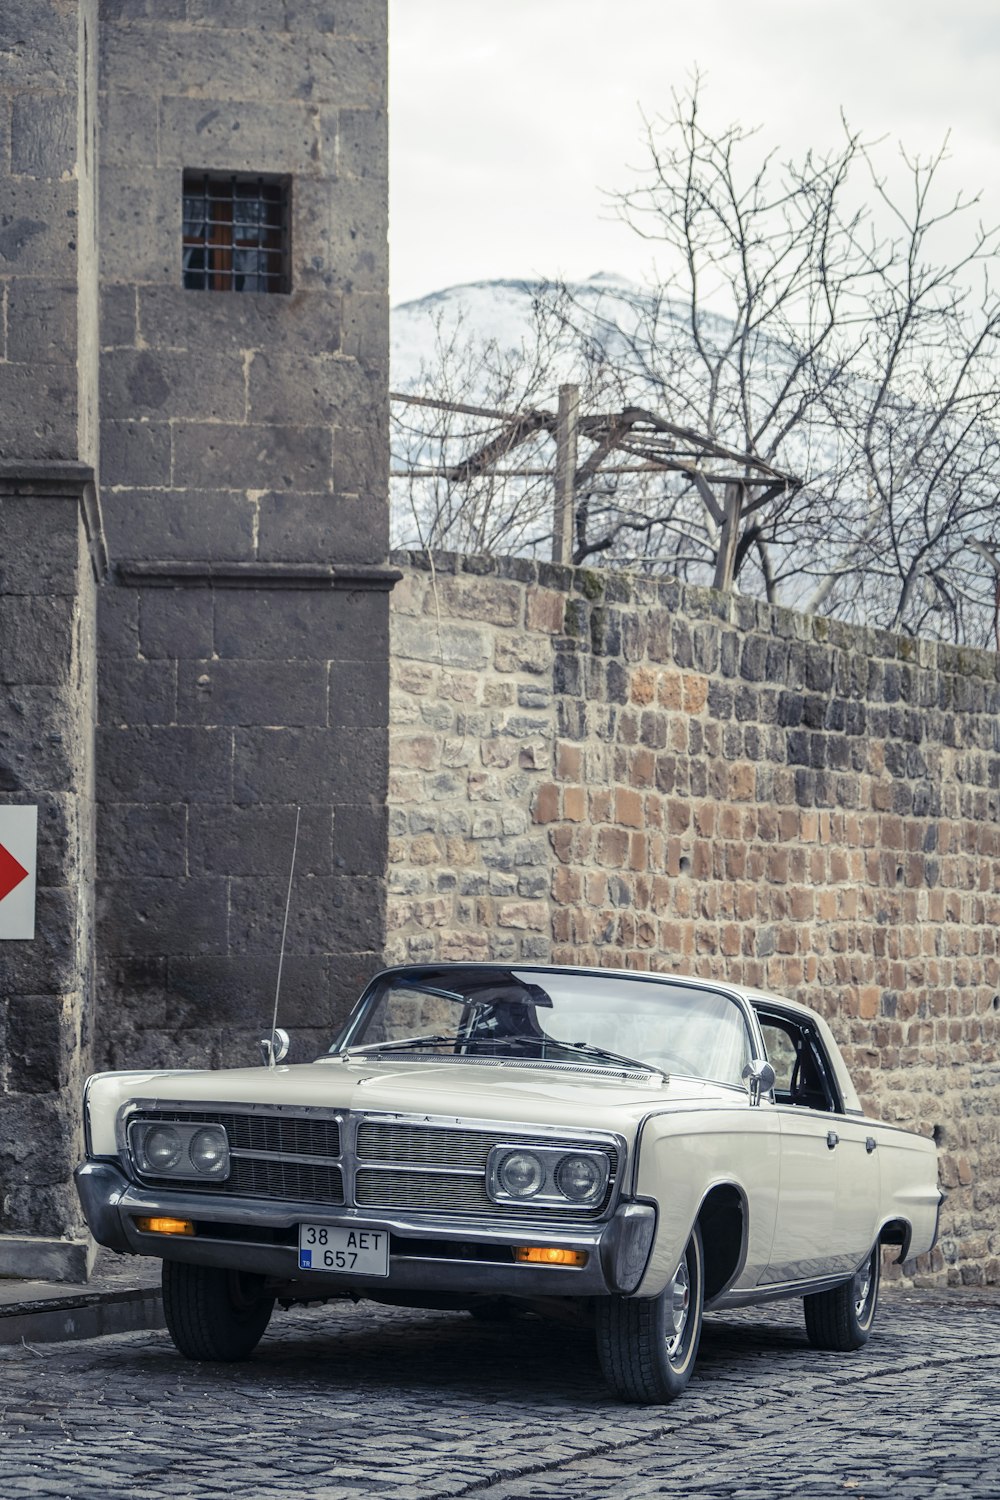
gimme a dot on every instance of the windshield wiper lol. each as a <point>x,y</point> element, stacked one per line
<point>610,1057</point>
<point>409,1044</point>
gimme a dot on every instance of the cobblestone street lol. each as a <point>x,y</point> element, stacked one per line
<point>345,1402</point>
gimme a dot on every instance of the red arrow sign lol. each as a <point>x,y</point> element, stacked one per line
<point>12,872</point>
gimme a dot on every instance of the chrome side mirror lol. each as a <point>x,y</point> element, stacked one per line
<point>274,1048</point>
<point>758,1076</point>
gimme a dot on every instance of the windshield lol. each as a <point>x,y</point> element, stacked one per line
<point>550,1016</point>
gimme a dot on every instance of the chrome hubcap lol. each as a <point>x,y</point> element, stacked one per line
<point>678,1306</point>
<point>862,1288</point>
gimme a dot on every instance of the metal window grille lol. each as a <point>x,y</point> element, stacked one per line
<point>235,236</point>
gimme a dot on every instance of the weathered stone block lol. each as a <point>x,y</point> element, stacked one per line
<point>252,692</point>
<point>39,1044</point>
<point>257,841</point>
<point>41,321</point>
<point>36,638</point>
<point>263,15</point>
<point>331,914</point>
<point>269,66</point>
<point>306,765</point>
<point>137,692</point>
<point>363,18</point>
<point>165,765</point>
<point>39,538</point>
<point>251,457</point>
<point>135,454</point>
<point>358,695</point>
<point>158,383</point>
<point>41,52</point>
<point>139,839</point>
<point>39,405</point>
<point>238,991</point>
<point>297,527</point>
<point>359,840</point>
<point>118,316</point>
<point>130,126</point>
<point>142,915</point>
<point>139,215</point>
<point>178,523</point>
<point>38,229</point>
<point>301,625</point>
<point>240,135</point>
<point>170,623</point>
<point>43,135</point>
<point>211,323</point>
<point>314,389</point>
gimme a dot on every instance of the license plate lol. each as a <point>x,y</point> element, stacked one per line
<point>361,1252</point>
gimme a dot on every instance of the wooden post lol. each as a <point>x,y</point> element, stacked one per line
<point>725,563</point>
<point>565,497</point>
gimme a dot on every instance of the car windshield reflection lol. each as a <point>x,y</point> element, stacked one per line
<point>581,1019</point>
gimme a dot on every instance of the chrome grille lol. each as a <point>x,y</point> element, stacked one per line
<point>399,1165</point>
<point>286,1135</point>
<point>295,1181</point>
<point>420,1190</point>
<point>278,1175</point>
<point>396,1144</point>
<point>422,1145</point>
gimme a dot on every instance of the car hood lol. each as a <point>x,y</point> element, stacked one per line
<point>507,1093</point>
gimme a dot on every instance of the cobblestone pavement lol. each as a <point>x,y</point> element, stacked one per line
<point>343,1403</point>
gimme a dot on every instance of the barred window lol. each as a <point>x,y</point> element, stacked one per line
<point>235,236</point>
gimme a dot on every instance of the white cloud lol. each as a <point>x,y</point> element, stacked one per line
<point>508,118</point>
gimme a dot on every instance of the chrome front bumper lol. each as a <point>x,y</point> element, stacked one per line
<point>428,1252</point>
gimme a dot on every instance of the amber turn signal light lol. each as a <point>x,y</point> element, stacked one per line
<point>165,1226</point>
<point>549,1255</point>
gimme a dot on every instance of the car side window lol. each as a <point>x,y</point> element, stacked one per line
<point>781,1054</point>
<point>803,1076</point>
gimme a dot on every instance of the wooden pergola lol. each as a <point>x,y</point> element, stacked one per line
<point>732,485</point>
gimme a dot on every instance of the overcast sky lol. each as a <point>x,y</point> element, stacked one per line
<point>508,117</point>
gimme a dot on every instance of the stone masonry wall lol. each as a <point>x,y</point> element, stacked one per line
<point>244,633</point>
<point>607,770</point>
<point>50,559</point>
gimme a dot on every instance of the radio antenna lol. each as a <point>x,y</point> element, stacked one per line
<point>271,1061</point>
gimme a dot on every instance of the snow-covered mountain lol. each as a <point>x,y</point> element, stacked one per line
<point>494,311</point>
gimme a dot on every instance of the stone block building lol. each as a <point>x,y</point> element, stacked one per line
<point>193,534</point>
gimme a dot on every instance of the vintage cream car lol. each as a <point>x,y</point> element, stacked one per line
<point>486,1138</point>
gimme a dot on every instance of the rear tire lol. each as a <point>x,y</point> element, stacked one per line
<point>842,1318</point>
<point>212,1313</point>
<point>647,1346</point>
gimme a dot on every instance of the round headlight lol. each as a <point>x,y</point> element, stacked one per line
<point>209,1151</point>
<point>161,1147</point>
<point>520,1174</point>
<point>579,1178</point>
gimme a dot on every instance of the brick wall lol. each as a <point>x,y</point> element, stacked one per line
<point>602,769</point>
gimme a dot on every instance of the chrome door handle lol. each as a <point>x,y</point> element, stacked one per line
<point>832,1139</point>
<point>870,1144</point>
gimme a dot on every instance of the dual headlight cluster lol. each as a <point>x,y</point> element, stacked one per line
<point>548,1176</point>
<point>163,1148</point>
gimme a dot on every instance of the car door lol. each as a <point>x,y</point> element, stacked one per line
<point>828,1187</point>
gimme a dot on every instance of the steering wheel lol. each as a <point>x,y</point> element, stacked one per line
<point>680,1064</point>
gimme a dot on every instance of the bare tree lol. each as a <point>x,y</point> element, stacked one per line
<point>805,321</point>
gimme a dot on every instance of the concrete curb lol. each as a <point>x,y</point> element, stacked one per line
<point>81,1316</point>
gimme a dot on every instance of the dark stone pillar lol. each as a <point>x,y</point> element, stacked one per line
<point>50,551</point>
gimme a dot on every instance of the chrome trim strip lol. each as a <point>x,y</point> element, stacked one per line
<point>284,1156</point>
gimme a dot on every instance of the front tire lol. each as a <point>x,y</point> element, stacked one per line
<point>842,1318</point>
<point>647,1346</point>
<point>212,1313</point>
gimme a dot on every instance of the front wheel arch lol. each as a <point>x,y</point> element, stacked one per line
<point>647,1346</point>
